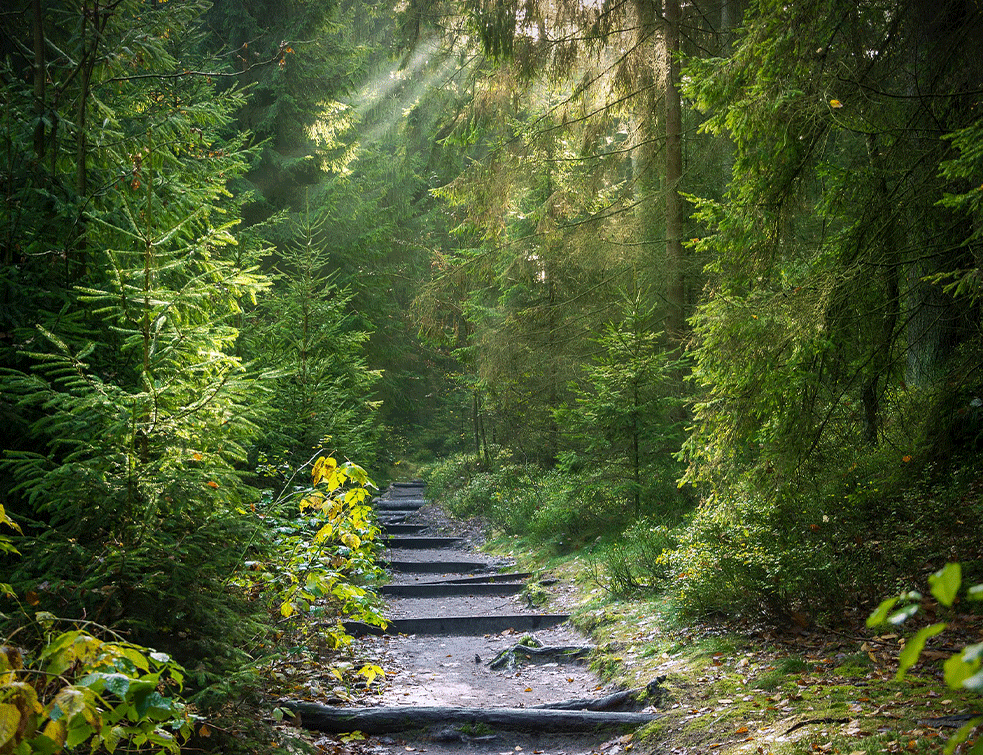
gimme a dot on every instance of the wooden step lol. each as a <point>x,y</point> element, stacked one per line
<point>398,528</point>
<point>422,543</point>
<point>392,720</point>
<point>437,567</point>
<point>460,625</point>
<point>448,589</point>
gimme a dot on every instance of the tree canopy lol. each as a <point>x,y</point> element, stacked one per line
<point>704,275</point>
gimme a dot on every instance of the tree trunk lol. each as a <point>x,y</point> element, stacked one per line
<point>40,77</point>
<point>676,286</point>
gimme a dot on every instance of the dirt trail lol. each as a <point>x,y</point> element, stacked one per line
<point>437,652</point>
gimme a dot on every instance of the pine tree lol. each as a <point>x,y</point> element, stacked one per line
<point>121,363</point>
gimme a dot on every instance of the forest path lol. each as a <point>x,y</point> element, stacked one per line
<point>452,611</point>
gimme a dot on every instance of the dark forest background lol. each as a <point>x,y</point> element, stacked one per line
<point>700,279</point>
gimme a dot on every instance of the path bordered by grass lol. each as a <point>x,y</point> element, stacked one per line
<point>738,690</point>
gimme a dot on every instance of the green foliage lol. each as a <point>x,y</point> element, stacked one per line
<point>304,334</point>
<point>554,506</point>
<point>80,690</point>
<point>324,541</point>
<point>641,560</point>
<point>963,669</point>
<point>830,355</point>
<point>119,364</point>
<point>626,415</point>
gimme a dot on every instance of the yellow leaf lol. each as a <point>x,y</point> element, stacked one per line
<point>351,540</point>
<point>70,702</point>
<point>335,479</point>
<point>370,671</point>
<point>323,467</point>
<point>313,501</point>
<point>4,519</point>
<point>57,731</point>
<point>835,104</point>
<point>287,609</point>
<point>9,722</point>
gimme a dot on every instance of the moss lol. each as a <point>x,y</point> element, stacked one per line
<point>858,664</point>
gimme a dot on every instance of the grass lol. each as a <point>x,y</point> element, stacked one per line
<point>752,691</point>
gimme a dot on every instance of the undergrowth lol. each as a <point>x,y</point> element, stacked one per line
<point>769,551</point>
<point>233,633</point>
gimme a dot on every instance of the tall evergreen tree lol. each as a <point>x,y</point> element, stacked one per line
<point>124,285</point>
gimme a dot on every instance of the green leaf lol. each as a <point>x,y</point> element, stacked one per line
<point>67,704</point>
<point>961,735</point>
<point>975,592</point>
<point>118,684</point>
<point>975,682</point>
<point>945,583</point>
<point>78,734</point>
<point>879,616</point>
<point>901,616</point>
<point>913,647</point>
<point>958,670</point>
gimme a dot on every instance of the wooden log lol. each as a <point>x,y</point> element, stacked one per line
<point>406,506</point>
<point>448,589</point>
<point>624,700</point>
<point>398,528</point>
<point>391,720</point>
<point>499,577</point>
<point>408,542</point>
<point>508,658</point>
<point>437,567</point>
<point>465,625</point>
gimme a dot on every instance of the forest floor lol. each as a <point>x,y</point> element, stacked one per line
<point>739,690</point>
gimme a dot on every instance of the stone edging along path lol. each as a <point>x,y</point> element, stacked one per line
<point>475,663</point>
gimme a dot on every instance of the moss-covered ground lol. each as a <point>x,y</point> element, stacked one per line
<point>741,689</point>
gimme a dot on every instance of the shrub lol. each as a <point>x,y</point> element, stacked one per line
<point>78,689</point>
<point>642,559</point>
